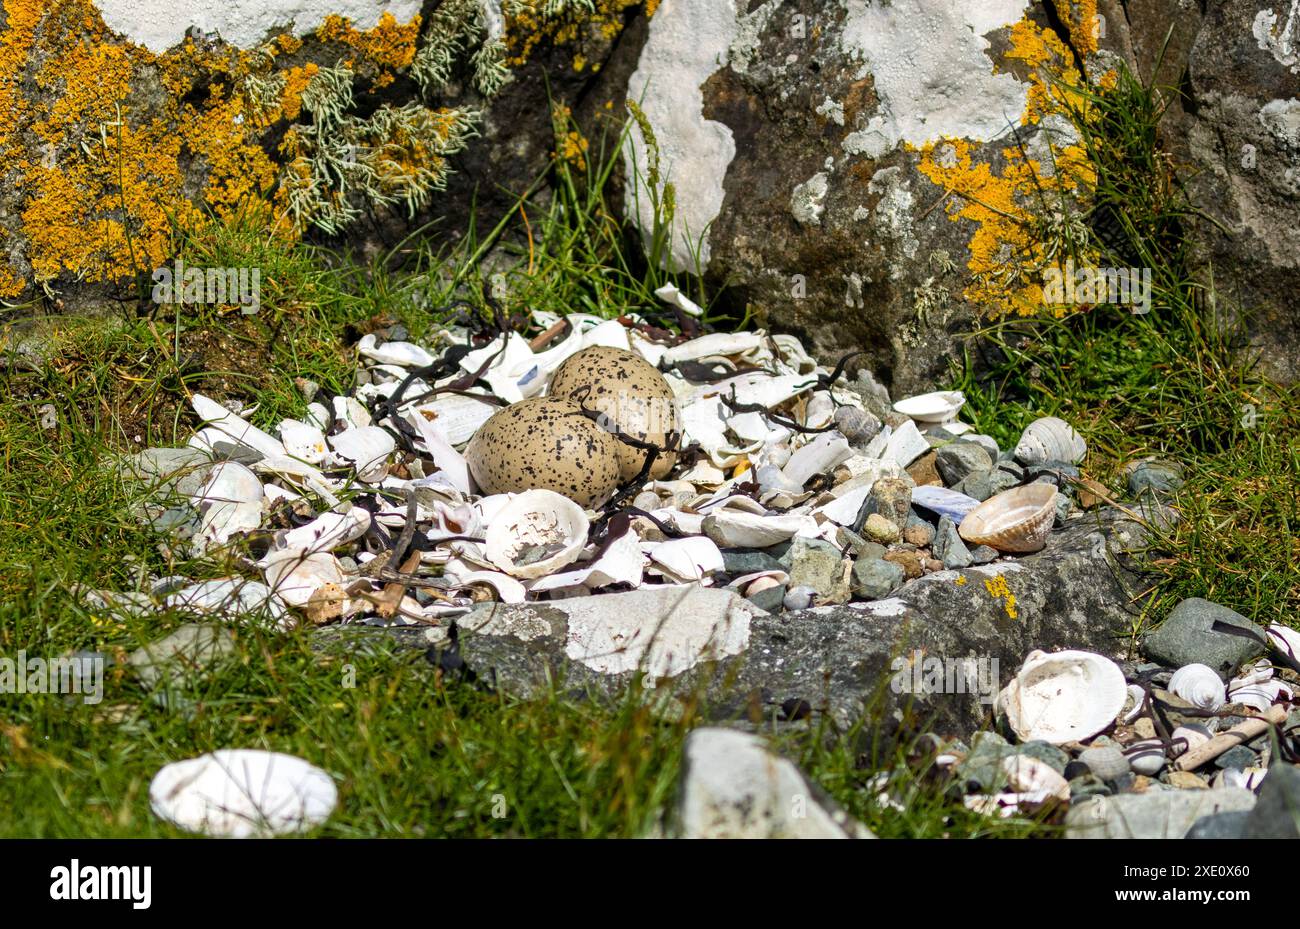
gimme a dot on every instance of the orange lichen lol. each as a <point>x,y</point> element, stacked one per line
<point>95,183</point>
<point>1013,207</point>
<point>530,26</point>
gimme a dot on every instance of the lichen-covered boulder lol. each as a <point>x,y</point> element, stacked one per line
<point>125,123</point>
<point>871,175</point>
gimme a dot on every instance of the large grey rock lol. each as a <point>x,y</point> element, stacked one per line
<point>1188,636</point>
<point>733,787</point>
<point>949,547</point>
<point>874,578</point>
<point>1156,814</point>
<point>1077,593</point>
<point>1277,814</point>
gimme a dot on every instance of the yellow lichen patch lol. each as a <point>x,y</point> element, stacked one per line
<point>529,25</point>
<point>1022,212</point>
<point>97,167</point>
<point>998,590</point>
<point>390,45</point>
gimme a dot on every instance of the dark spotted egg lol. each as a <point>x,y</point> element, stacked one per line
<point>629,391</point>
<point>545,443</point>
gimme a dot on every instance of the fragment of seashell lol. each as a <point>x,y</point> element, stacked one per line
<point>940,406</point>
<point>303,441</point>
<point>1260,696</point>
<point>231,500</point>
<point>1017,520</point>
<point>535,533</point>
<point>733,529</point>
<point>295,575</point>
<point>405,354</point>
<point>1199,686</point>
<point>1026,774</point>
<point>329,530</point>
<point>1285,639</point>
<point>689,559</point>
<point>1132,704</point>
<point>1050,439</point>
<point>236,793</point>
<point>1063,696</point>
<point>235,427</point>
<point>367,449</point>
<point>1187,737</point>
<point>944,502</point>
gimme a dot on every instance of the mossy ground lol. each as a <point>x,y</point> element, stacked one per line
<point>417,753</point>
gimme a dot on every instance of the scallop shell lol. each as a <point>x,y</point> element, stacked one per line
<point>1050,439</point>
<point>536,518</point>
<point>1016,520</point>
<point>1063,696</point>
<point>1199,686</point>
<point>367,449</point>
<point>237,793</point>
<point>941,406</point>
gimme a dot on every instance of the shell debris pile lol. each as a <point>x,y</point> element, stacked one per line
<point>595,456</point>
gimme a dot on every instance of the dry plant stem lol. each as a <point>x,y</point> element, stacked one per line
<point>1242,732</point>
<point>391,598</point>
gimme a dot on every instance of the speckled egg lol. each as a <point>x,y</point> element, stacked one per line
<point>631,392</point>
<point>545,443</point>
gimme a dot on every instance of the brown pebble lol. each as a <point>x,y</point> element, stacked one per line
<point>1186,780</point>
<point>924,471</point>
<point>909,561</point>
<point>1091,493</point>
<point>918,534</point>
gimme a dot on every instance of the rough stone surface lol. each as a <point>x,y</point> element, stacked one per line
<point>1187,637</point>
<point>1165,814</point>
<point>959,459</point>
<point>874,578</point>
<point>949,546</point>
<point>1074,594</point>
<point>1277,814</point>
<point>733,787</point>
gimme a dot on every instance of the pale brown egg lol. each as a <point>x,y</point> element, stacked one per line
<point>629,391</point>
<point>545,443</point>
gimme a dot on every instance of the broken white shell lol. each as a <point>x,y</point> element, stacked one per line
<point>457,414</point>
<point>405,354</point>
<point>1016,520</point>
<point>295,575</point>
<point>1260,696</point>
<point>231,500</point>
<point>690,559</point>
<point>903,445</point>
<point>1063,696</point>
<point>1050,439</point>
<point>302,441</point>
<point>235,428</point>
<point>329,530</point>
<point>532,519</point>
<point>819,456</point>
<point>1132,704</point>
<point>1285,639</point>
<point>1188,737</point>
<point>733,529</point>
<point>622,563</point>
<point>941,406</point>
<point>367,449</point>
<point>1199,686</point>
<point>236,793</point>
<point>1026,774</point>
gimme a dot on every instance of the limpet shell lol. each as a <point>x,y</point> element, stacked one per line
<point>939,406</point>
<point>1017,520</point>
